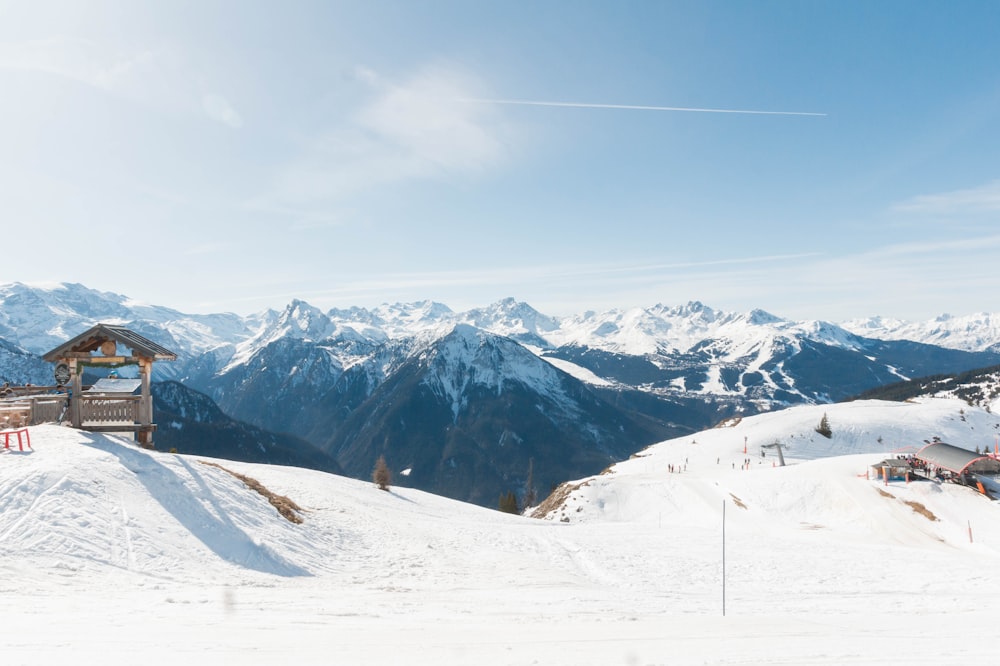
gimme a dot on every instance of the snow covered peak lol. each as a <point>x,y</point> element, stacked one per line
<point>399,319</point>
<point>762,317</point>
<point>354,315</point>
<point>827,333</point>
<point>975,332</point>
<point>298,321</point>
<point>515,319</point>
<point>469,357</point>
<point>301,321</point>
<point>640,331</point>
<point>693,310</point>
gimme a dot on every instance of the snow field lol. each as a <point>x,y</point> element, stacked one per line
<point>109,553</point>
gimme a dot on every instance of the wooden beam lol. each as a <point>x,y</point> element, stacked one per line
<point>107,360</point>
<point>101,360</point>
<point>150,427</point>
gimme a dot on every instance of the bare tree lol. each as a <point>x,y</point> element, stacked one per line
<point>530,494</point>
<point>381,475</point>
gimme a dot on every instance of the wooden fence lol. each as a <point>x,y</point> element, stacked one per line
<point>101,409</point>
<point>32,411</point>
<point>97,412</point>
<point>47,409</point>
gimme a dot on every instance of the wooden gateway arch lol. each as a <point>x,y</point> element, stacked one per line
<point>109,346</point>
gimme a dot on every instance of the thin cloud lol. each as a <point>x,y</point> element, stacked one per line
<point>896,281</point>
<point>985,198</point>
<point>161,78</point>
<point>714,262</point>
<point>298,218</point>
<point>519,279</point>
<point>414,119</point>
<point>634,107</point>
<point>206,248</point>
<point>971,245</point>
<point>77,59</point>
<point>219,109</point>
<point>409,130</point>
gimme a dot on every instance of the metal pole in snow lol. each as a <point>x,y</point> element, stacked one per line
<point>723,558</point>
<point>970,531</point>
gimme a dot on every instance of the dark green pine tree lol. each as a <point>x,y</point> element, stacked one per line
<point>824,427</point>
<point>508,502</point>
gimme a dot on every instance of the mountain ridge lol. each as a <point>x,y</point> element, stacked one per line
<point>356,383</point>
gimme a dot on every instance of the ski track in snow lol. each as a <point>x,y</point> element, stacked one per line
<point>109,553</point>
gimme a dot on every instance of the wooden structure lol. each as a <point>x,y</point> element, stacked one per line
<point>110,346</point>
<point>957,461</point>
<point>951,463</point>
<point>893,469</point>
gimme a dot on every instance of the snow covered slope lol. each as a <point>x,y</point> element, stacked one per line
<point>111,554</point>
<point>862,431</point>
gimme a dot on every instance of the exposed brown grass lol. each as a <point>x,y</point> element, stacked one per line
<point>921,509</point>
<point>556,500</point>
<point>738,501</point>
<point>916,506</point>
<point>286,507</point>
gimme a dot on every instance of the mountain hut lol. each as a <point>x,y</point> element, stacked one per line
<point>893,469</point>
<point>111,405</point>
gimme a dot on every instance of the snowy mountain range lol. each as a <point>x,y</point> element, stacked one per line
<point>975,332</point>
<point>467,401</point>
<point>112,553</point>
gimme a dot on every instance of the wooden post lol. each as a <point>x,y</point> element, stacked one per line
<point>145,435</point>
<point>74,404</point>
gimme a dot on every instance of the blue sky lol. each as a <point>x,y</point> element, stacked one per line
<point>231,156</point>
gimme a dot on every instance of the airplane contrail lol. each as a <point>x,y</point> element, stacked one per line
<point>581,105</point>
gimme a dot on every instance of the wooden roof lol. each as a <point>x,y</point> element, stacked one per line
<point>92,339</point>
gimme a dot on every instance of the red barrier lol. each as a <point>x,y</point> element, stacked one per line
<point>20,443</point>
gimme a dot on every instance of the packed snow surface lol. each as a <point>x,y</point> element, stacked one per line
<point>113,554</point>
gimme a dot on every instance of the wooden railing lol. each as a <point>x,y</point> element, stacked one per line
<point>11,392</point>
<point>47,409</point>
<point>32,411</point>
<point>99,409</point>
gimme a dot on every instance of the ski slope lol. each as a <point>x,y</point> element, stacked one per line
<point>111,554</point>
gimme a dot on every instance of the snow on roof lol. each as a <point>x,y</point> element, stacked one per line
<point>113,385</point>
